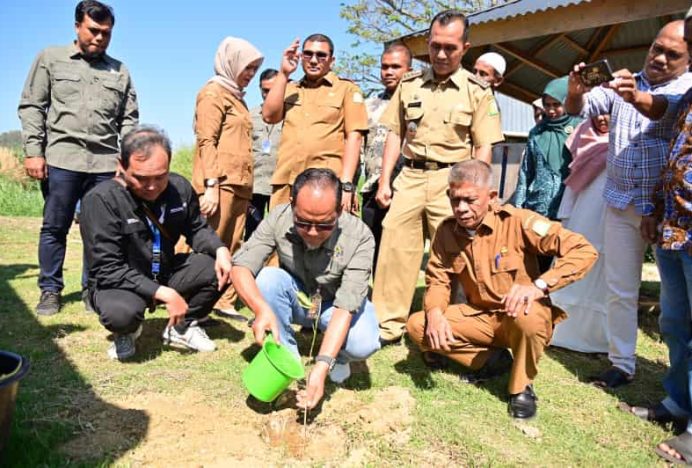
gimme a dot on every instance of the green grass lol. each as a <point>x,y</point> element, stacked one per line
<point>181,162</point>
<point>73,393</point>
<point>19,198</point>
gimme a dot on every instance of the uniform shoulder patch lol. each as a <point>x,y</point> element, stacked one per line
<point>411,75</point>
<point>474,79</point>
<point>538,224</point>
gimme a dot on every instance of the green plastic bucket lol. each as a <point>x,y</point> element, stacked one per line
<point>271,371</point>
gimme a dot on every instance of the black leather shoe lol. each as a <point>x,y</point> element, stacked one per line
<point>434,361</point>
<point>499,363</point>
<point>523,405</point>
<point>49,304</point>
<point>86,299</point>
<point>393,341</point>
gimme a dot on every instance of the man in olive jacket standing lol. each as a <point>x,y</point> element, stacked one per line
<point>76,105</point>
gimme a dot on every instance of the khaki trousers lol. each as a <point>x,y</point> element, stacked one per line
<point>280,194</point>
<point>419,205</point>
<point>477,331</point>
<point>229,224</point>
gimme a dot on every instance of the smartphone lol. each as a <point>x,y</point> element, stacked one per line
<point>596,73</point>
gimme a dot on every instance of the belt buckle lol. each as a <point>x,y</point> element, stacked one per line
<point>430,166</point>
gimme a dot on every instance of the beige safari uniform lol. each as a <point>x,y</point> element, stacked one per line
<point>316,123</point>
<point>223,127</point>
<point>438,122</point>
<point>502,252</point>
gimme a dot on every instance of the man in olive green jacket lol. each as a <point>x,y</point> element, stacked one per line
<point>76,105</point>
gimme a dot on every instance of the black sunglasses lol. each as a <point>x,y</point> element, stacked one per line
<point>307,225</point>
<point>321,56</point>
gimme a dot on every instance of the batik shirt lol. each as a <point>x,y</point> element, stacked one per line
<point>377,135</point>
<point>674,201</point>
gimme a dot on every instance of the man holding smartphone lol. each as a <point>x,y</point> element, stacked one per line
<point>324,119</point>
<point>641,124</point>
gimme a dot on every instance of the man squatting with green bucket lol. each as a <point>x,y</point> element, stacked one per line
<point>324,254</point>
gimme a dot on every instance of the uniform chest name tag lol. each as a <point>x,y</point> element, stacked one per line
<point>266,146</point>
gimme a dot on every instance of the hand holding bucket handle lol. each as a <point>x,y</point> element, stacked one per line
<point>265,322</point>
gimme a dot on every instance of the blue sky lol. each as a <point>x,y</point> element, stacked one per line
<point>168,46</point>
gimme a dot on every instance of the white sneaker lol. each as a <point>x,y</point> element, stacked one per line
<point>194,338</point>
<point>124,345</point>
<point>340,372</point>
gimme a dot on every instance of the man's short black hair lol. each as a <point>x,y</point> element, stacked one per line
<point>99,12</point>
<point>142,140</point>
<point>399,47</point>
<point>447,16</point>
<point>317,177</point>
<point>318,37</point>
<point>268,74</point>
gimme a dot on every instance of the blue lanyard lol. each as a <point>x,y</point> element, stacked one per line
<point>156,246</point>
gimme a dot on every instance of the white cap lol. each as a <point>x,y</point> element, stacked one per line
<point>538,103</point>
<point>495,60</point>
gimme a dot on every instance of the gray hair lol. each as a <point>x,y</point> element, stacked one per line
<point>142,139</point>
<point>474,171</point>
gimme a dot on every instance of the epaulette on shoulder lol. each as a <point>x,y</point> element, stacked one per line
<point>411,75</point>
<point>480,82</point>
<point>507,209</point>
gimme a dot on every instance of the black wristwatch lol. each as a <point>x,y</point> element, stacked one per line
<point>347,186</point>
<point>327,359</point>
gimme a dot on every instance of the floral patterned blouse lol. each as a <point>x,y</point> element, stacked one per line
<point>674,201</point>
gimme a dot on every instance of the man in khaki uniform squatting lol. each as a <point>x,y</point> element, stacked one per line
<point>492,251</point>
<point>442,115</point>
<point>324,120</point>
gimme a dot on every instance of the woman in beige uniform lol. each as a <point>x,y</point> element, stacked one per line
<point>222,171</point>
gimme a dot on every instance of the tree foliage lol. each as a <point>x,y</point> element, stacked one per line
<point>374,22</point>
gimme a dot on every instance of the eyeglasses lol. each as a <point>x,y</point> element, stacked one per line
<point>307,225</point>
<point>321,56</point>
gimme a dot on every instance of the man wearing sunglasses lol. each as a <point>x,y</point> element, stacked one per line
<point>325,256</point>
<point>324,119</point>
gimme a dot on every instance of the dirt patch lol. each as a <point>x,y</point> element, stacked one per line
<point>387,417</point>
<point>186,430</point>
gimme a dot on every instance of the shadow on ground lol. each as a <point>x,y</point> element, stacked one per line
<point>54,400</point>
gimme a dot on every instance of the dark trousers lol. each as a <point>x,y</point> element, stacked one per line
<point>121,311</point>
<point>373,216</point>
<point>61,192</point>
<point>255,213</point>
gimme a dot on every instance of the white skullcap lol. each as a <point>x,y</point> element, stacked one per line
<point>495,60</point>
<point>538,103</point>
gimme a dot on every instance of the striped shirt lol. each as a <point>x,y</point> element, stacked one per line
<point>638,146</point>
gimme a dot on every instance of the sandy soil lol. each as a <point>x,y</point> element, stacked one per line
<point>185,430</point>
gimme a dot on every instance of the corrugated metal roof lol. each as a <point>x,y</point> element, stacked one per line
<point>519,8</point>
<point>517,116</point>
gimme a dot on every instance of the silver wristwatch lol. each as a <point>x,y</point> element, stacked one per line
<point>211,182</point>
<point>327,359</point>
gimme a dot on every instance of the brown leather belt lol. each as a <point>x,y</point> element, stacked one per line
<point>425,164</point>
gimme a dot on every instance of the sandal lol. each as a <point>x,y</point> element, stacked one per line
<point>682,444</point>
<point>611,378</point>
<point>658,414</point>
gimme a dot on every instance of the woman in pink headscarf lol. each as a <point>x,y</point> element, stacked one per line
<point>222,170</point>
<point>582,210</point>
